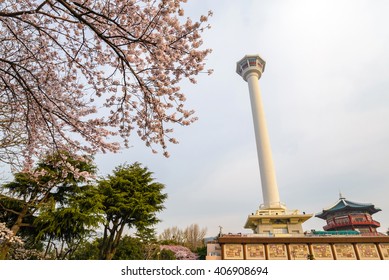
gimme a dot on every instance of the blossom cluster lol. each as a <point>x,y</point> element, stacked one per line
<point>17,252</point>
<point>7,236</point>
<point>180,252</point>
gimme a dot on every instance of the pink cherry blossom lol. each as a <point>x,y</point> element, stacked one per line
<point>180,252</point>
<point>6,235</point>
<point>76,74</point>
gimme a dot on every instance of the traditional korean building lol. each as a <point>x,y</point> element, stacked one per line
<point>349,215</point>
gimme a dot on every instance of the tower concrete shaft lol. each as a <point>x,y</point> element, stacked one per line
<point>251,68</point>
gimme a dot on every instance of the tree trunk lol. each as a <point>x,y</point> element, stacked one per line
<point>108,240</point>
<point>115,242</point>
<point>4,248</point>
<point>47,247</point>
<point>111,242</point>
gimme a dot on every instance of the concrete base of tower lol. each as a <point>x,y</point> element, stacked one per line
<point>277,222</point>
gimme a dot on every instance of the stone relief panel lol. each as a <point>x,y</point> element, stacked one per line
<point>233,252</point>
<point>367,251</point>
<point>255,252</point>
<point>322,252</point>
<point>385,250</point>
<point>277,252</point>
<point>345,252</point>
<point>298,251</point>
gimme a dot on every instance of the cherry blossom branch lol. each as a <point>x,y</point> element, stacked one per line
<point>58,55</point>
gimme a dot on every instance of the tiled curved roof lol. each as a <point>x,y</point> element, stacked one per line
<point>344,204</point>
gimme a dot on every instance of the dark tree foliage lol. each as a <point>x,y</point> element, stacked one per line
<point>131,199</point>
<point>129,248</point>
<point>201,252</point>
<point>51,185</point>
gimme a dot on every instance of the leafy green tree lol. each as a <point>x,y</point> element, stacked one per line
<point>130,199</point>
<point>201,252</point>
<point>166,255</point>
<point>53,182</point>
<point>87,250</point>
<point>65,227</point>
<point>130,248</point>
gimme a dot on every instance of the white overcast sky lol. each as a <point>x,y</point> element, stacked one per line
<point>325,92</point>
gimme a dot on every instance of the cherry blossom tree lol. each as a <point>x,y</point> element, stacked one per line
<point>180,252</point>
<point>74,74</point>
<point>6,235</point>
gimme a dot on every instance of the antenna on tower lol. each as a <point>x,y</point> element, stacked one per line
<point>220,231</point>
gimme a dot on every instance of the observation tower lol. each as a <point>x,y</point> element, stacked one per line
<point>272,218</point>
